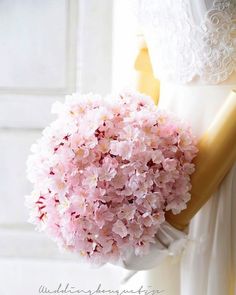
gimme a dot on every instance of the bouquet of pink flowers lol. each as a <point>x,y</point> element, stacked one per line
<point>104,173</point>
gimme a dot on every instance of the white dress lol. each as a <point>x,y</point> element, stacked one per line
<point>192,45</point>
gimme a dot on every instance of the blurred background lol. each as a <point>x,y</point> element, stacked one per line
<point>50,48</point>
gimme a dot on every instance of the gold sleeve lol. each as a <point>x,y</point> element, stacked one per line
<point>145,81</point>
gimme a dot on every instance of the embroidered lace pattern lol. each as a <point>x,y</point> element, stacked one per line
<point>182,49</point>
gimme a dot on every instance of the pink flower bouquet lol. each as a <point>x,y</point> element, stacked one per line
<point>104,173</point>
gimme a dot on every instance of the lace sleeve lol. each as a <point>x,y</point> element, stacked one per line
<point>190,40</point>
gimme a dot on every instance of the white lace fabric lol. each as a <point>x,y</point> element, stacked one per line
<point>200,45</point>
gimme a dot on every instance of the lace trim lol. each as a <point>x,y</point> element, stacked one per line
<point>182,50</point>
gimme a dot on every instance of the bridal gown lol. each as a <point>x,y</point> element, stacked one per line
<point>192,46</point>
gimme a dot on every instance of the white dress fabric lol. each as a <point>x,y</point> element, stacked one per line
<point>192,46</point>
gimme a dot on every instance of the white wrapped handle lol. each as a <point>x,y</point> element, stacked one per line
<point>169,241</point>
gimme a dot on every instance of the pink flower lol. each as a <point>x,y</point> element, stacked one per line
<point>135,229</point>
<point>90,177</point>
<point>169,164</point>
<point>120,229</point>
<point>108,169</point>
<point>127,212</point>
<point>122,148</point>
<point>157,157</point>
<point>102,214</point>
